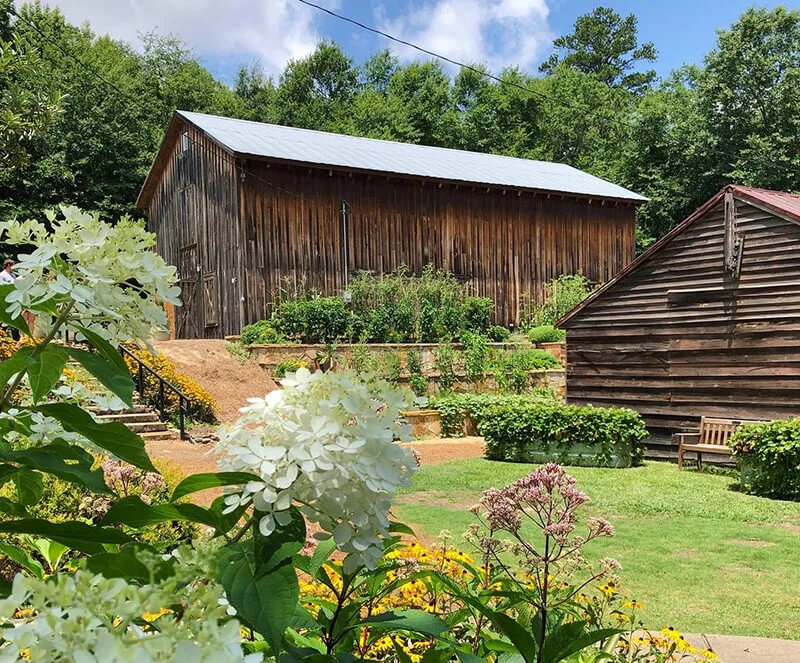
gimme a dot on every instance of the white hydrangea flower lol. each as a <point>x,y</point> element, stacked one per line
<point>325,442</point>
<point>110,274</point>
<point>86,618</point>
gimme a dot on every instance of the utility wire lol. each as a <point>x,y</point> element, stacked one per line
<point>472,68</point>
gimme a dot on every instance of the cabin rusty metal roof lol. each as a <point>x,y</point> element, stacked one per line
<point>319,148</point>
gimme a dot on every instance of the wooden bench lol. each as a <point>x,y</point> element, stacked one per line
<point>712,438</point>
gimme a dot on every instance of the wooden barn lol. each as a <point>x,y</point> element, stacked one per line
<point>242,206</point>
<point>707,322</point>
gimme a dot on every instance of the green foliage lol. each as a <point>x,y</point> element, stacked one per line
<point>512,371</point>
<point>769,458</point>
<point>402,308</point>
<point>545,334</point>
<point>25,111</point>
<point>390,366</point>
<point>562,295</point>
<point>477,314</point>
<point>476,355</point>
<point>445,364</point>
<point>455,408</point>
<point>498,334</point>
<point>568,434</point>
<point>416,378</point>
<point>310,320</point>
<point>606,46</point>
<point>288,366</point>
<point>238,351</point>
<point>262,332</point>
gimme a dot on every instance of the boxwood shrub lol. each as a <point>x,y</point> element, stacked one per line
<point>455,408</point>
<point>568,434</point>
<point>769,458</point>
<point>546,334</point>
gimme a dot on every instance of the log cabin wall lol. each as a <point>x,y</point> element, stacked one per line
<point>504,244</point>
<point>194,212</point>
<point>680,337</point>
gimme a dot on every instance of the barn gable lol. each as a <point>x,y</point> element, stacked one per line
<point>693,328</point>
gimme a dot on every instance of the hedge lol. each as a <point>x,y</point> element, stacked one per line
<point>567,434</point>
<point>455,408</point>
<point>769,458</point>
<point>546,334</point>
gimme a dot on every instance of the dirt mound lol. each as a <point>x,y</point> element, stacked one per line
<point>230,382</point>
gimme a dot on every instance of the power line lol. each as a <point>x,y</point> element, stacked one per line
<point>438,56</point>
<point>472,68</point>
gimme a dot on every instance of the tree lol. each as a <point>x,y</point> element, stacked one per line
<point>317,91</point>
<point>25,111</point>
<point>750,99</point>
<point>605,45</point>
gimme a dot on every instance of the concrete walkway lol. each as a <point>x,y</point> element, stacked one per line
<point>741,649</point>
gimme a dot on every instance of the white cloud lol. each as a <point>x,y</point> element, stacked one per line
<point>495,32</point>
<point>272,31</point>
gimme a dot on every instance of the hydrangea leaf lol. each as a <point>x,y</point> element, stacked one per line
<point>110,375</point>
<point>77,535</point>
<point>44,371</point>
<point>104,348</point>
<point>23,558</point>
<point>134,512</point>
<point>67,462</point>
<point>266,602</point>
<point>29,486</point>
<point>203,481</point>
<point>114,437</point>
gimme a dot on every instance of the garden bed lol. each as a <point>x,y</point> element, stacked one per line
<point>270,355</point>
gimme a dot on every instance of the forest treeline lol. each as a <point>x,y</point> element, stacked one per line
<point>595,104</point>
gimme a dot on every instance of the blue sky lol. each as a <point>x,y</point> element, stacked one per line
<point>230,33</point>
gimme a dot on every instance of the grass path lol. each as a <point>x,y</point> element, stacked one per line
<point>702,556</point>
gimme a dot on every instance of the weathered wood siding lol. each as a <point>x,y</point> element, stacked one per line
<point>679,337</point>
<point>506,245</point>
<point>194,213</point>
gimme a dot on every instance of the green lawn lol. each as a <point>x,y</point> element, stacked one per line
<point>702,556</point>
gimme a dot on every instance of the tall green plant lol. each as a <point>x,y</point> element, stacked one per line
<point>562,295</point>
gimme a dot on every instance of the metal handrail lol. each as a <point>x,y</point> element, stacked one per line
<point>163,385</point>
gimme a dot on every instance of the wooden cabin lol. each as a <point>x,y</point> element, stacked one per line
<point>707,322</point>
<point>243,207</point>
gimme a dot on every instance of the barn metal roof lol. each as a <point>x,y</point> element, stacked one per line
<point>258,139</point>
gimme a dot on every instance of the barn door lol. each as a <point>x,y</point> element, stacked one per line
<point>189,316</point>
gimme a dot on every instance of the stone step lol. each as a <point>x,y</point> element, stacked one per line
<point>155,436</point>
<point>148,427</point>
<point>143,417</point>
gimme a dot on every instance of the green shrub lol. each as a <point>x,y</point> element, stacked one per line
<point>454,408</point>
<point>512,371</point>
<point>769,458</point>
<point>290,319</point>
<point>546,334</point>
<point>445,363</point>
<point>288,366</point>
<point>326,319</point>
<point>563,294</point>
<point>261,333</point>
<point>477,314</point>
<point>567,434</point>
<point>498,334</point>
<point>392,367</point>
<point>476,355</point>
<point>416,378</point>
